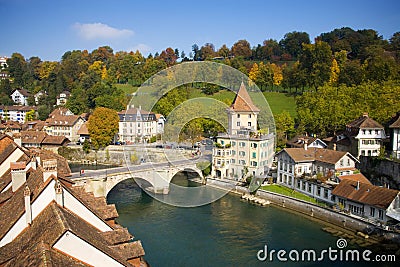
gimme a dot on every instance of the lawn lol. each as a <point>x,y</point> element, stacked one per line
<point>283,190</point>
<point>278,102</point>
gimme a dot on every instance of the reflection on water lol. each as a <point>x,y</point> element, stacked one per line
<point>227,232</point>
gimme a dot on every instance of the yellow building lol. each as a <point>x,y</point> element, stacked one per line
<point>242,151</point>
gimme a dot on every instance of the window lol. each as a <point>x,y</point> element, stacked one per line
<point>372,212</point>
<point>233,152</point>
<point>298,184</point>
<point>222,142</point>
<point>309,187</point>
<point>370,131</point>
<point>363,152</point>
<point>341,162</point>
<point>249,116</point>
<point>325,193</point>
<point>249,124</point>
<point>233,143</point>
<point>381,214</point>
<point>376,131</point>
<point>348,162</point>
<point>242,153</point>
<point>254,155</point>
<point>238,115</point>
<point>238,123</point>
<point>233,161</point>
<point>304,186</point>
<point>254,163</point>
<point>242,144</point>
<point>299,170</point>
<point>363,131</point>
<point>318,190</point>
<point>254,145</point>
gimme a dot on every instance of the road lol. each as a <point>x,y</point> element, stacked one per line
<point>143,166</point>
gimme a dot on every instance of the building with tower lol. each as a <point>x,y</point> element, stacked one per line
<point>242,151</point>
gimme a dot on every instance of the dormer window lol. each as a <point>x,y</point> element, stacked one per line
<point>363,131</point>
<point>376,131</point>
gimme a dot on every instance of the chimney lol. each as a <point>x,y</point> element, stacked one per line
<point>305,145</point>
<point>49,168</point>
<point>28,207</point>
<point>59,194</point>
<point>140,107</point>
<point>334,146</point>
<point>18,175</point>
<point>365,114</point>
<point>358,185</point>
<point>32,163</point>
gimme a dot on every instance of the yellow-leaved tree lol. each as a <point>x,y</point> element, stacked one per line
<point>253,74</point>
<point>334,77</point>
<point>103,126</point>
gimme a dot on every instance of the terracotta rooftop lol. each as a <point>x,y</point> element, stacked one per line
<point>84,129</point>
<point>22,92</point>
<point>32,137</point>
<point>364,122</point>
<point>396,123</point>
<point>55,140</point>
<point>50,225</point>
<point>17,165</point>
<point>17,108</point>
<point>36,125</point>
<point>372,195</point>
<point>7,146</point>
<point>10,125</point>
<point>315,154</point>
<point>356,177</point>
<point>242,101</point>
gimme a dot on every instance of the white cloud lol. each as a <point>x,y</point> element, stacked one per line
<point>143,48</point>
<point>91,31</point>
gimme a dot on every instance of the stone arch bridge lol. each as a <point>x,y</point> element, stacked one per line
<point>156,180</point>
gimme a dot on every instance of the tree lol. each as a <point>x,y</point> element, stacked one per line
<point>102,126</point>
<point>30,115</point>
<point>195,49</point>
<point>284,124</point>
<point>168,56</point>
<point>335,71</point>
<point>241,49</point>
<point>223,51</point>
<point>207,51</point>
<point>292,43</point>
<point>316,61</point>
<point>17,67</point>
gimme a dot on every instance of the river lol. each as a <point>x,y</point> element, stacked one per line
<point>227,232</point>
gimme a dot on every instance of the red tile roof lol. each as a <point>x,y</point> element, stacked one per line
<point>372,195</point>
<point>242,101</point>
<point>395,124</point>
<point>315,154</point>
<point>364,122</point>
<point>356,177</point>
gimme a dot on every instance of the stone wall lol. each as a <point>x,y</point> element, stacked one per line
<point>383,172</point>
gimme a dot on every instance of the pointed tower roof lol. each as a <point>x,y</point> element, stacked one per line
<point>243,102</point>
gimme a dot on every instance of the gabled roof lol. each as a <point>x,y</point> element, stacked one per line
<point>7,146</point>
<point>13,125</point>
<point>396,123</point>
<point>55,140</point>
<point>243,102</point>
<point>356,177</point>
<point>364,122</point>
<point>36,125</point>
<point>22,92</point>
<point>32,137</point>
<point>47,228</point>
<point>315,154</point>
<point>299,141</point>
<point>83,130</point>
<point>372,195</point>
<point>18,108</point>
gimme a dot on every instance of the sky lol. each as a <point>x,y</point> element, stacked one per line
<point>49,28</point>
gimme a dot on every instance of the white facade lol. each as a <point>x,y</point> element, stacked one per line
<point>19,98</point>
<point>302,174</point>
<point>242,152</point>
<point>370,141</point>
<point>137,125</point>
<point>16,113</point>
<point>234,154</point>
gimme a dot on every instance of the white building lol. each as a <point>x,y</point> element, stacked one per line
<point>137,125</point>
<point>312,171</point>
<point>395,137</point>
<point>16,113</point>
<point>375,203</point>
<point>62,98</point>
<point>362,137</point>
<point>3,63</point>
<point>62,122</point>
<point>242,151</point>
<point>20,96</point>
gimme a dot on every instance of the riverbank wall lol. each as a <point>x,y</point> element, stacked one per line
<point>340,220</point>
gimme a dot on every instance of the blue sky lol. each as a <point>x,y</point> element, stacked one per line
<point>49,28</point>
